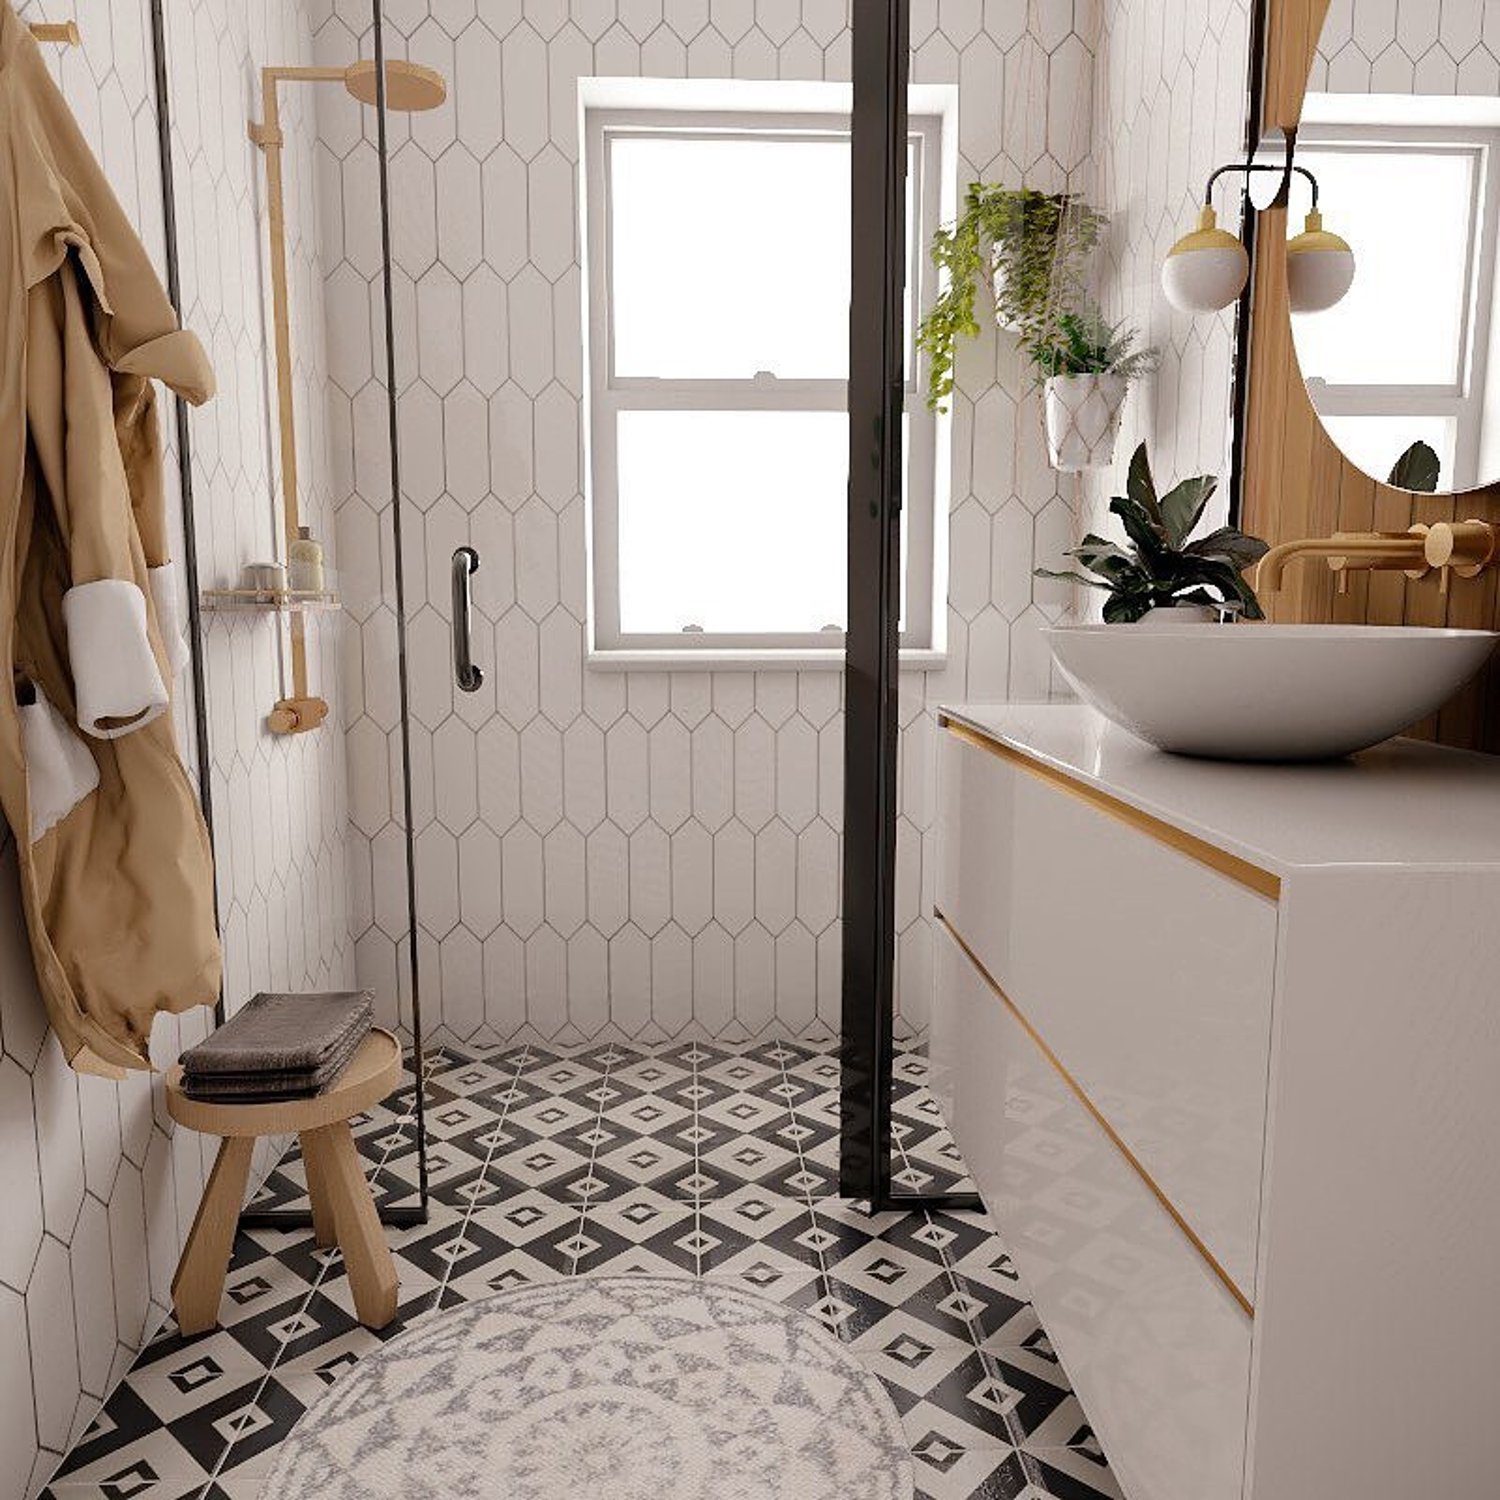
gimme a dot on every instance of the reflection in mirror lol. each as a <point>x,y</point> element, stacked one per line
<point>1269,158</point>
<point>1399,127</point>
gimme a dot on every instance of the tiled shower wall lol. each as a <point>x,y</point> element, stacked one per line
<point>100,1190</point>
<point>1173,101</point>
<point>280,802</point>
<point>1409,47</point>
<point>642,853</point>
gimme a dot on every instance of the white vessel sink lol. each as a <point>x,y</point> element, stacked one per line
<point>1266,692</point>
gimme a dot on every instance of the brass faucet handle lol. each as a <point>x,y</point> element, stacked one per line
<point>1467,547</point>
<point>1380,551</point>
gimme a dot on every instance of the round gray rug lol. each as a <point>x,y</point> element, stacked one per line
<point>603,1388</point>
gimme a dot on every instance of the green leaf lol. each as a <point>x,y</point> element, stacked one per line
<point>1231,546</point>
<point>1140,486</point>
<point>1123,609</point>
<point>1182,506</point>
<point>1097,553</point>
<point>1070,577</point>
<point>1418,469</point>
<point>1224,577</point>
<point>1139,527</point>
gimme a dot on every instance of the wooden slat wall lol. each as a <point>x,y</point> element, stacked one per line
<point>1298,483</point>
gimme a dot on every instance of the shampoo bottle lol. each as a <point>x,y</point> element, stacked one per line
<point>306,559</point>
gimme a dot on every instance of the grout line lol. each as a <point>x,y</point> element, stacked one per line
<point>696,1057</point>
<point>489,1155</point>
<point>583,1215</point>
<point>808,1201</point>
<point>324,1263</point>
<point>1029,1466</point>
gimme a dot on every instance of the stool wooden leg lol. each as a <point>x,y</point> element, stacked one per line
<point>199,1282</point>
<point>367,1257</point>
<point>325,1230</point>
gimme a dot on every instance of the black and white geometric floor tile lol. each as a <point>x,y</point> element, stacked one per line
<point>700,1159</point>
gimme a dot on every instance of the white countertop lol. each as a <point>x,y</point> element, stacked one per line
<point>1405,802</point>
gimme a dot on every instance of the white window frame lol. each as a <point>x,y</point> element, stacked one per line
<point>1462,400</point>
<point>759,109</point>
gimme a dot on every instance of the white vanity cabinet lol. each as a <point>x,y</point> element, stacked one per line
<point>1221,1047</point>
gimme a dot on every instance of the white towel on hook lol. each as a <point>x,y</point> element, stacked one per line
<point>60,772</point>
<point>116,681</point>
<point>163,581</point>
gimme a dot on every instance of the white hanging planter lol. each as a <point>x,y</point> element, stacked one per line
<point>998,281</point>
<point>1083,420</point>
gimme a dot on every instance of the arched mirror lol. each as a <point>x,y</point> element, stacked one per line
<point>1392,277</point>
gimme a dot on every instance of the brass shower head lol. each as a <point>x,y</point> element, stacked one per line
<point>409,87</point>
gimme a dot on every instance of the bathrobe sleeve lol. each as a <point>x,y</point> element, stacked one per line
<point>106,329</point>
<point>118,683</point>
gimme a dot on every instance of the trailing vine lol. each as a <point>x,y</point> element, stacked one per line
<point>1030,249</point>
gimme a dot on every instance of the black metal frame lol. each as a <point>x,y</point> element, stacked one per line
<point>403,674</point>
<point>1239,399</point>
<point>184,438</point>
<point>876,400</point>
<point>398,1216</point>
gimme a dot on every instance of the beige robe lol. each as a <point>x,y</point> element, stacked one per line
<point>118,890</point>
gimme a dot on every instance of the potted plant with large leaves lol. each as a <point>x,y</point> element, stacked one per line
<point>1029,248</point>
<point>1162,569</point>
<point>1086,365</point>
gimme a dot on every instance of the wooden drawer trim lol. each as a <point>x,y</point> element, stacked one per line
<point>1077,1090</point>
<point>1262,882</point>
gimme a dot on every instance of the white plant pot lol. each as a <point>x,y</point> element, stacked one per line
<point>1083,419</point>
<point>997,283</point>
<point>1180,614</point>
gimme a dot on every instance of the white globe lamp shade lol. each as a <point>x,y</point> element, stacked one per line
<point>1319,267</point>
<point>1205,271</point>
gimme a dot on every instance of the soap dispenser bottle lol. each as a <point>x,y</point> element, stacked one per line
<point>305,557</point>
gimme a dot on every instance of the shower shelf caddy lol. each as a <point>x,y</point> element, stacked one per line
<point>270,601</point>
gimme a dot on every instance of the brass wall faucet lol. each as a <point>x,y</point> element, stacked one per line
<point>1466,548</point>
<point>1357,550</point>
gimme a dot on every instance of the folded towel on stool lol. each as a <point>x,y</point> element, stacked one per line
<point>280,1046</point>
<point>259,1087</point>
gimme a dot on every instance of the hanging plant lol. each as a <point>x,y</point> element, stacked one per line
<point>1030,249</point>
<point>1085,365</point>
<point>1084,343</point>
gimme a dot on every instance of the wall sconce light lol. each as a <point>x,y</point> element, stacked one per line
<point>1319,265</point>
<point>1206,271</point>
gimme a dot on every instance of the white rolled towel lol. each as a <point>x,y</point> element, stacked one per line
<point>60,772</point>
<point>163,581</point>
<point>116,681</point>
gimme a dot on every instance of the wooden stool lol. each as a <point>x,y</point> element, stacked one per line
<point>342,1205</point>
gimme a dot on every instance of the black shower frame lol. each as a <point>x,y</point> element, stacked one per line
<point>395,1215</point>
<point>876,399</point>
<point>877,395</point>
